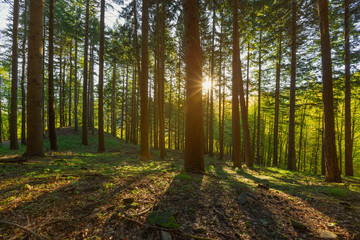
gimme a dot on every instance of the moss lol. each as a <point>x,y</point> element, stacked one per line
<point>163,219</point>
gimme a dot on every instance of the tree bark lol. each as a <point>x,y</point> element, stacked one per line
<point>236,141</point>
<point>14,79</point>
<point>277,96</point>
<point>349,169</point>
<point>332,172</point>
<point>291,146</point>
<point>76,82</point>
<point>23,94</point>
<point>194,132</point>
<point>211,119</point>
<point>162,82</point>
<point>144,101</point>
<point>101,142</point>
<point>84,132</point>
<point>51,103</point>
<point>113,102</point>
<point>258,143</point>
<point>35,145</point>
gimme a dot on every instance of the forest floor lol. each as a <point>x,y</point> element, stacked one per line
<point>78,193</point>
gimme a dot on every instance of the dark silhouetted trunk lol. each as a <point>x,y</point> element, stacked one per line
<point>291,145</point>
<point>14,79</point>
<point>332,172</point>
<point>84,132</point>
<point>51,103</point>
<point>236,141</point>
<point>35,144</point>
<point>211,118</point>
<point>23,94</point>
<point>144,101</point>
<point>76,83</point>
<point>101,142</point>
<point>349,169</point>
<point>162,82</point>
<point>194,132</point>
<point>277,96</point>
<point>70,83</point>
<point>258,143</point>
<point>113,102</point>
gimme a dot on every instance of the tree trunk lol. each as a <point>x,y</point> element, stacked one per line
<point>221,139</point>
<point>194,132</point>
<point>331,161</point>
<point>162,83</point>
<point>291,151</point>
<point>75,83</point>
<point>236,141</point>
<point>349,169</point>
<point>14,78</point>
<point>113,102</point>
<point>169,121</point>
<point>247,77</point>
<point>61,111</point>
<point>211,119</point>
<point>101,142</point>
<point>84,132</point>
<point>51,103</point>
<point>35,145</point>
<point>23,94</point>
<point>70,83</point>
<point>258,157</point>
<point>277,96</point>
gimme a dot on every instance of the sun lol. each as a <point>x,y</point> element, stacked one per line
<point>206,85</point>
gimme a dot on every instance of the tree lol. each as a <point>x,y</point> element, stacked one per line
<point>277,96</point>
<point>101,143</point>
<point>144,120</point>
<point>14,78</point>
<point>23,94</point>
<point>35,145</point>
<point>161,83</point>
<point>236,141</point>
<point>349,171</point>
<point>51,104</point>
<point>84,138</point>
<point>194,132</point>
<point>291,146</point>
<point>332,172</point>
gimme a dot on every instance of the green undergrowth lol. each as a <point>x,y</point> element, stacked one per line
<point>74,162</point>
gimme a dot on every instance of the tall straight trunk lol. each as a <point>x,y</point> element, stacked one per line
<point>91,92</point>
<point>236,141</point>
<point>169,121</point>
<point>35,144</point>
<point>137,76</point>
<point>221,139</point>
<point>258,157</point>
<point>70,83</point>
<point>244,113</point>
<point>156,101</point>
<point>211,119</point>
<point>291,151</point>
<point>113,103</point>
<point>61,110</point>
<point>101,142</point>
<point>301,138</point>
<point>51,103</point>
<point>122,107</point>
<point>194,132</point>
<point>76,82</point>
<point>133,108</point>
<point>156,77</point>
<point>23,94</point>
<point>177,144</point>
<point>84,132</point>
<point>323,146</point>
<point>14,78</point>
<point>277,97</point>
<point>63,94</point>
<point>247,77</point>
<point>349,169</point>
<point>162,82</point>
<point>331,161</point>
<point>127,138</point>
<point>206,139</point>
